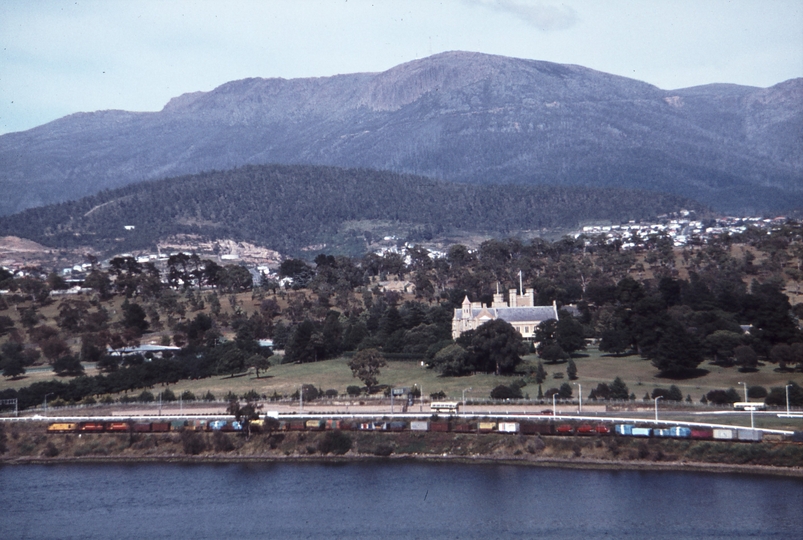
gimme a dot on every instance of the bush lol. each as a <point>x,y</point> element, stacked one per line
<point>186,395</point>
<point>193,443</point>
<point>723,397</point>
<point>145,397</point>
<point>331,393</point>
<point>506,392</point>
<point>383,450</point>
<point>221,442</point>
<point>168,395</point>
<point>440,394</point>
<point>50,450</point>
<point>353,390</point>
<point>757,392</point>
<point>251,395</point>
<point>335,442</point>
<point>209,396</point>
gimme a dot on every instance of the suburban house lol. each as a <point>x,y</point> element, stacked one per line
<point>521,312</point>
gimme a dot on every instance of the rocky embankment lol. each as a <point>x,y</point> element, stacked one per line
<point>30,443</point>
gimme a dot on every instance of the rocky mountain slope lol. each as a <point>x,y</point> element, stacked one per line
<point>458,116</point>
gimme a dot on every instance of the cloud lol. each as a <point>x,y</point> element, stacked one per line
<point>545,17</point>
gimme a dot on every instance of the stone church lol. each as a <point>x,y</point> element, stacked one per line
<point>521,312</point>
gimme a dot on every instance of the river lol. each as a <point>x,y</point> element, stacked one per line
<point>377,499</point>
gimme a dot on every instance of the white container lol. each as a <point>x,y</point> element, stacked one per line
<point>508,427</point>
<point>723,434</point>
<point>419,425</point>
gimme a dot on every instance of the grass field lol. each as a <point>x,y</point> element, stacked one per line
<point>639,374</point>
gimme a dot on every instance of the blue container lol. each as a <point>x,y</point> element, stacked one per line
<point>217,425</point>
<point>641,432</point>
<point>624,429</point>
<point>681,432</point>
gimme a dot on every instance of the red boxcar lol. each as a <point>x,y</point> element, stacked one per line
<point>160,427</point>
<point>463,428</point>
<point>296,425</point>
<point>141,428</point>
<point>92,427</point>
<point>439,426</point>
<point>702,433</point>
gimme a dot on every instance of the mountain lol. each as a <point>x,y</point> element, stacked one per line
<point>304,208</point>
<point>457,116</point>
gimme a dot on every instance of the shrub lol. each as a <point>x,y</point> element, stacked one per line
<point>193,443</point>
<point>335,442</point>
<point>331,393</point>
<point>186,395</point>
<point>506,392</point>
<point>383,450</point>
<point>722,397</point>
<point>757,392</point>
<point>353,390</point>
<point>145,397</point>
<point>168,395</point>
<point>440,394</point>
<point>221,442</point>
<point>209,396</point>
<point>50,450</point>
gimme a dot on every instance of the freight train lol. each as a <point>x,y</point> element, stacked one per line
<point>452,426</point>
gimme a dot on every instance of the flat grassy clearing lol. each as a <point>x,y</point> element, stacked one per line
<point>639,375</point>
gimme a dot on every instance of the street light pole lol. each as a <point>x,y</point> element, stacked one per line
<point>787,399</point>
<point>656,407</point>
<point>580,386</point>
<point>553,404</point>
<point>51,393</point>
<point>745,391</point>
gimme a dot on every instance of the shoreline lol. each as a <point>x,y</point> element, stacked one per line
<point>556,463</point>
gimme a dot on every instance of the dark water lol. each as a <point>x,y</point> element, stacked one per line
<point>384,500</point>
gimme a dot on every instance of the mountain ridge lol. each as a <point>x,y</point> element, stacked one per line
<point>457,116</point>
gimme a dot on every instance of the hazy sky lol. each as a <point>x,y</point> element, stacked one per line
<point>61,57</point>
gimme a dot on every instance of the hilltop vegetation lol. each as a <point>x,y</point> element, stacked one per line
<point>288,208</point>
<point>676,308</point>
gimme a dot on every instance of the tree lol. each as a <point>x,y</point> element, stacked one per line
<point>720,345</point>
<point>569,333</point>
<point>506,392</point>
<point>571,370</point>
<point>365,365</point>
<point>452,360</point>
<point>259,363</point>
<point>677,352</point>
<point>540,373</point>
<point>565,391</point>
<point>68,365</point>
<point>12,361</point>
<point>134,317</point>
<point>746,358</point>
<point>496,347</point>
<point>618,390</point>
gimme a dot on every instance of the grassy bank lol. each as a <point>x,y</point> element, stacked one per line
<point>30,443</point>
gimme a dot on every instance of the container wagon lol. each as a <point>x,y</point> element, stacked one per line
<point>750,435</point>
<point>509,427</point>
<point>118,427</point>
<point>723,435</point>
<point>486,427</point>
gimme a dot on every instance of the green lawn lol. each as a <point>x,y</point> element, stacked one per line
<point>640,376</point>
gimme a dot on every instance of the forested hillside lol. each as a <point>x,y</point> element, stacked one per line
<point>685,310</point>
<point>289,207</point>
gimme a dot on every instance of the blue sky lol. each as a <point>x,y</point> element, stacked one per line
<point>61,57</point>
